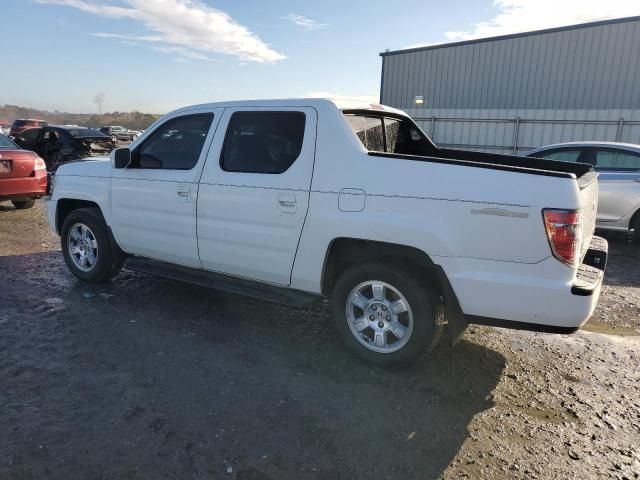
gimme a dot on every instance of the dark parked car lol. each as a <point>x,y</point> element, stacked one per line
<point>22,124</point>
<point>117,132</point>
<point>58,144</point>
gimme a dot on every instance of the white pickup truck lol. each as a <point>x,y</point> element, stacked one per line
<point>295,200</point>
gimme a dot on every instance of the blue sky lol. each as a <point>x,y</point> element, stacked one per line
<point>155,55</point>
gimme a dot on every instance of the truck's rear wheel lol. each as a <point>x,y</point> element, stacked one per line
<point>386,315</point>
<point>86,247</point>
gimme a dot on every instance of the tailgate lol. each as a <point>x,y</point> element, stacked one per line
<point>588,195</point>
<point>16,163</point>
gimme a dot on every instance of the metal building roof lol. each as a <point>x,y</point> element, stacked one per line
<point>592,66</point>
<point>510,36</point>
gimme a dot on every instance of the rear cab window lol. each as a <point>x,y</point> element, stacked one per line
<point>382,133</point>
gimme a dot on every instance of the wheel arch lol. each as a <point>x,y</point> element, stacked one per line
<point>67,205</point>
<point>635,221</point>
<point>343,252</point>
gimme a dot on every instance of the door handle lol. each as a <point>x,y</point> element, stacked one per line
<point>287,202</point>
<point>183,193</point>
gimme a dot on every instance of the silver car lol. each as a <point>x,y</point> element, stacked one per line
<point>619,168</point>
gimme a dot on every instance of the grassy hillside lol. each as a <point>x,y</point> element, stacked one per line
<point>132,120</point>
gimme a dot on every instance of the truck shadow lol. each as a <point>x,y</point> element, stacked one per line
<point>623,264</point>
<point>182,381</point>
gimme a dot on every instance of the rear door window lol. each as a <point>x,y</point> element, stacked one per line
<point>30,135</point>
<point>6,143</point>
<point>619,160</point>
<point>263,142</point>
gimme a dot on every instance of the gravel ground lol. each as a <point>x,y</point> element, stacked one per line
<point>149,378</point>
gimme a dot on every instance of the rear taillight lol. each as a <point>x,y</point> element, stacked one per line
<point>40,165</point>
<point>564,230</point>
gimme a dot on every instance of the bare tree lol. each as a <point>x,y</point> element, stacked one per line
<point>99,100</point>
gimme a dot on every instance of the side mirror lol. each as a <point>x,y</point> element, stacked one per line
<point>121,158</point>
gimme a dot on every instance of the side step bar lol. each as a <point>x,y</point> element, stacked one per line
<point>240,286</point>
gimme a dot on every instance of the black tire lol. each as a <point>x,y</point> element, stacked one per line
<point>23,204</point>
<point>423,298</point>
<point>108,259</point>
<point>636,229</point>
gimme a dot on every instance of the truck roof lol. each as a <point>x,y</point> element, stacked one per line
<point>296,102</point>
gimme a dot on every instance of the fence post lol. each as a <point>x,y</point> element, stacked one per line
<point>516,128</point>
<point>619,131</point>
<point>433,128</point>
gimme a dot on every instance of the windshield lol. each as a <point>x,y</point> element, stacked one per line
<point>85,132</point>
<point>6,143</point>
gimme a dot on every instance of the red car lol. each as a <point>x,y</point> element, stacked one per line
<point>21,125</point>
<point>23,175</point>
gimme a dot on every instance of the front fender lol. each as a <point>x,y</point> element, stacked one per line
<point>85,189</point>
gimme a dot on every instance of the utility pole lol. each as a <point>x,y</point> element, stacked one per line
<point>99,100</point>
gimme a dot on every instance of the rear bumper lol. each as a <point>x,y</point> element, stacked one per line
<point>23,187</point>
<point>590,274</point>
<point>547,296</point>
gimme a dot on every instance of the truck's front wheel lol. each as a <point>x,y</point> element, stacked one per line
<point>387,315</point>
<point>86,247</point>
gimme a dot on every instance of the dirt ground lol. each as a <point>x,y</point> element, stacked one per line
<point>149,378</point>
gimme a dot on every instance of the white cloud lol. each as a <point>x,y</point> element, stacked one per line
<point>346,101</point>
<point>525,15</point>
<point>85,6</point>
<point>185,24</point>
<point>304,22</point>
<point>421,45</point>
<point>185,53</point>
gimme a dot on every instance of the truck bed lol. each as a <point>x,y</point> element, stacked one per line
<point>512,163</point>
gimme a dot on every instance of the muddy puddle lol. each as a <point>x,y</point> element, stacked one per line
<point>596,326</point>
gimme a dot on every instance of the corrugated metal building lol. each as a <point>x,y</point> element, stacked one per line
<point>516,92</point>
